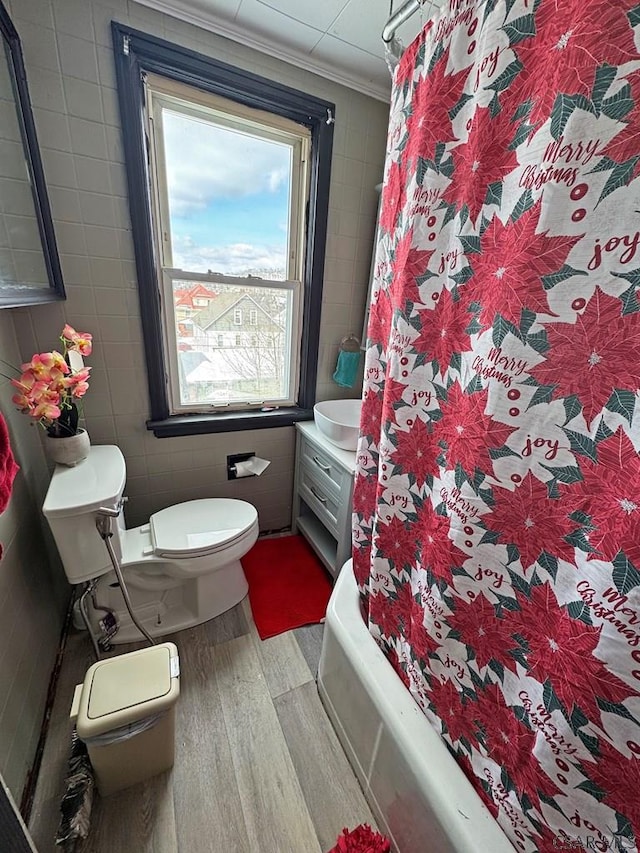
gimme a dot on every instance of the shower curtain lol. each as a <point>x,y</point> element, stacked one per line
<point>497,498</point>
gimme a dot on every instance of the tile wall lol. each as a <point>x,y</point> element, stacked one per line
<point>33,594</point>
<point>68,55</point>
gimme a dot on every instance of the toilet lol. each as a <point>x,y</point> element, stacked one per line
<point>181,569</point>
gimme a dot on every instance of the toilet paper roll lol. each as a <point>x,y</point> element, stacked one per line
<point>251,467</point>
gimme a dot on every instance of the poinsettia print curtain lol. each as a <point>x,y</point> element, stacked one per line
<point>497,499</point>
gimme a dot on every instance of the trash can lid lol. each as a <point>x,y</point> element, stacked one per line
<point>128,688</point>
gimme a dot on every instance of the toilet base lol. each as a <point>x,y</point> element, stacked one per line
<point>163,612</point>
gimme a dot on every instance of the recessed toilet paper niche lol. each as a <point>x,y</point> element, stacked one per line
<point>241,465</point>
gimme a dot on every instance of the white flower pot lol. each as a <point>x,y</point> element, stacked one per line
<point>69,450</point>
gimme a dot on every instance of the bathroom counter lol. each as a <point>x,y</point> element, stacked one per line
<point>323,491</point>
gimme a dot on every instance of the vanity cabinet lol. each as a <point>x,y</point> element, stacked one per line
<point>323,491</point>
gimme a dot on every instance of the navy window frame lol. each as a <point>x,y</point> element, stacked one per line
<point>135,53</point>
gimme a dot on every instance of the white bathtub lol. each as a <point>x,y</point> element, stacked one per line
<point>419,795</point>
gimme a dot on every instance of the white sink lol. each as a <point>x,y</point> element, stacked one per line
<point>339,421</point>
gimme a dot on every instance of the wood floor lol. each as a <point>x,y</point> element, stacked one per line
<point>258,767</point>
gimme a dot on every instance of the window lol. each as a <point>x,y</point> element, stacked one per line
<point>228,188</point>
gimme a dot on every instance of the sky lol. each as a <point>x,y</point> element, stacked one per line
<point>228,197</point>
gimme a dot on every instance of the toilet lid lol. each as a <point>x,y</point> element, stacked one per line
<point>195,528</point>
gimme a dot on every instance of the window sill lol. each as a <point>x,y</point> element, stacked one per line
<point>227,422</point>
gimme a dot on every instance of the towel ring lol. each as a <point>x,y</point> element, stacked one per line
<point>350,343</point>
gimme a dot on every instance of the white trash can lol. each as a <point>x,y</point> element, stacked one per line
<point>125,711</point>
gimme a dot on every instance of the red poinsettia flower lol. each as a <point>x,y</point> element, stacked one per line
<point>416,451</point>
<point>381,614</point>
<point>362,566</point>
<point>482,160</point>
<point>365,492</point>
<point>371,416</point>
<point>610,495</point>
<point>569,47</point>
<point>447,702</point>
<point>469,434</point>
<point>409,263</point>
<point>393,196</point>
<point>561,650</point>
<point>443,330</point>
<point>532,521</point>
<point>624,144</point>
<point>434,96</point>
<point>480,629</point>
<point>510,743</point>
<point>507,272</point>
<point>394,392</point>
<point>380,314</point>
<point>436,551</point>
<point>394,541</point>
<point>616,775</point>
<point>395,662</point>
<point>603,350</point>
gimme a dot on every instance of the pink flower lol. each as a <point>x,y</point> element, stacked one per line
<point>46,410</point>
<point>42,363</point>
<point>78,341</point>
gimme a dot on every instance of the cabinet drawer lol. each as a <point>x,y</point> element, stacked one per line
<point>323,503</point>
<point>328,473</point>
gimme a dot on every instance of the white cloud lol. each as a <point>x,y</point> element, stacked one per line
<point>233,259</point>
<point>205,161</point>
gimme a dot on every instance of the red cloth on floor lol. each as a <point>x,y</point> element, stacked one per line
<point>362,839</point>
<point>8,466</point>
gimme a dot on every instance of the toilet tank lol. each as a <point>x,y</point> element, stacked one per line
<point>70,506</point>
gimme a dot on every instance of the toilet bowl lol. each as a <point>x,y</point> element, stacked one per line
<point>182,568</point>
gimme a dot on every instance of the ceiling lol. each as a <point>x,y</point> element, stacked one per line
<point>338,39</point>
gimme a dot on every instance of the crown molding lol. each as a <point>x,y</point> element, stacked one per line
<point>180,10</point>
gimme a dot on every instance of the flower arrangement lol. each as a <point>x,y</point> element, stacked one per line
<point>52,384</point>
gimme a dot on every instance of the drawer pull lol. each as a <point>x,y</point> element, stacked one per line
<point>316,495</point>
<point>325,468</point>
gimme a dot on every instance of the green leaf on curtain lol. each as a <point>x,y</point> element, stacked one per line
<point>603,165</point>
<point>605,75</point>
<point>542,394</point>
<point>484,224</point>
<point>519,583</point>
<point>562,111</point>
<point>582,444</point>
<point>494,193</point>
<point>512,553</point>
<point>441,509</point>
<point>620,176</point>
<point>470,245</point>
<point>464,99</point>
<point>549,563</point>
<point>523,132</point>
<point>617,106</point>
<point>437,53</point>
<point>460,477</point>
<point>579,540</point>
<point>501,328</point>
<point>603,431</point>
<point>490,5</point>
<point>450,213</point>
<point>463,276</point>
<point>572,407</point>
<point>634,16</point>
<point>622,402</point>
<point>565,474</point>
<point>550,281</point>
<point>422,167</point>
<point>549,698</point>
<point>474,327</point>
<point>487,496</point>
<point>625,575</point>
<point>524,203</point>
<point>464,214</point>
<point>624,827</point>
<point>474,386</point>
<point>496,666</point>
<point>447,168</point>
<point>579,610</point>
<point>538,341</point>
<point>553,490</point>
<point>614,708</point>
<point>495,106</point>
<point>489,536</point>
<point>632,276</point>
<point>527,319</point>
<point>501,452</point>
<point>506,77</point>
<point>523,110</point>
<point>582,518</point>
<point>520,29</point>
<point>455,362</point>
<point>630,304</point>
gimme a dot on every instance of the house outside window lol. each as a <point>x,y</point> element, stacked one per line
<point>269,146</point>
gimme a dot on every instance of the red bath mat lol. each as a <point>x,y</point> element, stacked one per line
<point>288,585</point>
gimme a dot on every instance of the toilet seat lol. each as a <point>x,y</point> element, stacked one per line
<point>197,528</point>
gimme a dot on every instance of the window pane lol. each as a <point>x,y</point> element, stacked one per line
<point>228,197</point>
<point>221,361</point>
